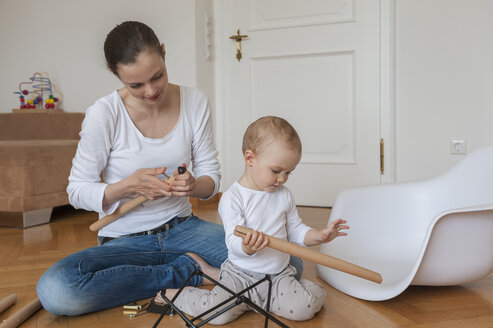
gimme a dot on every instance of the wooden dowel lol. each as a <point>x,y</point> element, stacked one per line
<point>314,256</point>
<point>7,301</point>
<point>20,316</point>
<point>127,207</point>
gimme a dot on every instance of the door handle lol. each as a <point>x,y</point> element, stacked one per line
<point>238,37</point>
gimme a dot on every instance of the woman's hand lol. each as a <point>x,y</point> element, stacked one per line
<point>183,184</point>
<point>143,181</point>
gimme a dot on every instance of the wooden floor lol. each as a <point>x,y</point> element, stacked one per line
<point>26,254</point>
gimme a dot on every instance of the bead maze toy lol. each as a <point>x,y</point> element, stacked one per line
<point>39,85</point>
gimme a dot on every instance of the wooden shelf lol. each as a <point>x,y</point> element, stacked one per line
<point>37,110</point>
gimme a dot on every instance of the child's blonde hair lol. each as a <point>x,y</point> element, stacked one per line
<point>268,128</point>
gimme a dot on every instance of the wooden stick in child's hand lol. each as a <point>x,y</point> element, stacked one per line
<point>127,207</point>
<point>314,256</point>
<point>20,316</point>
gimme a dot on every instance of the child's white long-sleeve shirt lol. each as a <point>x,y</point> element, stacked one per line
<point>112,145</point>
<point>273,213</point>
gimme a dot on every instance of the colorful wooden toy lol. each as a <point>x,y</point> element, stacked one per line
<point>40,84</point>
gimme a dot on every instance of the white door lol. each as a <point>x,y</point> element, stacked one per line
<point>315,63</point>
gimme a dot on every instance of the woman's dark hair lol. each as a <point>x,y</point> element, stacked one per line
<point>126,41</point>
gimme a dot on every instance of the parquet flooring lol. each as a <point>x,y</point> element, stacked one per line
<point>26,254</point>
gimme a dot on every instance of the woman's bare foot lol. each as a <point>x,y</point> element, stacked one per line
<point>170,293</point>
<point>209,270</point>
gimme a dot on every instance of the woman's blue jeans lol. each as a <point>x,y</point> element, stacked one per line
<point>128,269</point>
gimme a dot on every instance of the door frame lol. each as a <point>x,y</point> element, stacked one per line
<point>387,88</point>
<point>387,84</point>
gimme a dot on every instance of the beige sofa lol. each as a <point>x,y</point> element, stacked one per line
<point>36,151</point>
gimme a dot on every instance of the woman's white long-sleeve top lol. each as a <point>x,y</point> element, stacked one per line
<point>112,148</point>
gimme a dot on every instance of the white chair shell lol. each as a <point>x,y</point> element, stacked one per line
<point>433,232</point>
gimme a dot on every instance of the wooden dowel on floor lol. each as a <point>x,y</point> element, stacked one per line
<point>20,316</point>
<point>314,256</point>
<point>7,302</point>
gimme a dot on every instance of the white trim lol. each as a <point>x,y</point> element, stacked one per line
<point>218,44</point>
<point>387,87</point>
<point>323,19</point>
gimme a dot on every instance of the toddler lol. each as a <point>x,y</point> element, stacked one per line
<point>260,201</point>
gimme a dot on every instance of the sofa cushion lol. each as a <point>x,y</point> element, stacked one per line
<point>40,126</point>
<point>34,173</point>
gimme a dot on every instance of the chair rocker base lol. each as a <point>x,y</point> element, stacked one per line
<point>170,309</point>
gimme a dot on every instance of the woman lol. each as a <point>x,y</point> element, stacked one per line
<point>132,137</point>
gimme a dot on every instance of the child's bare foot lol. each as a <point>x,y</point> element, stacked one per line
<point>209,270</point>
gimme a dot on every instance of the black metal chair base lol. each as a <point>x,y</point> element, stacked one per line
<point>170,308</point>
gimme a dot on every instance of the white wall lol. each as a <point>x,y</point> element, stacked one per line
<point>444,82</point>
<point>65,39</point>
<point>443,53</point>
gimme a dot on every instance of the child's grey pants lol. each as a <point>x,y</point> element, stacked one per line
<point>290,298</point>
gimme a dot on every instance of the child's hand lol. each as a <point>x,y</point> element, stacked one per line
<point>254,241</point>
<point>333,231</point>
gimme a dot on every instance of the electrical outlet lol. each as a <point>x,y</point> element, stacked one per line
<point>458,146</point>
